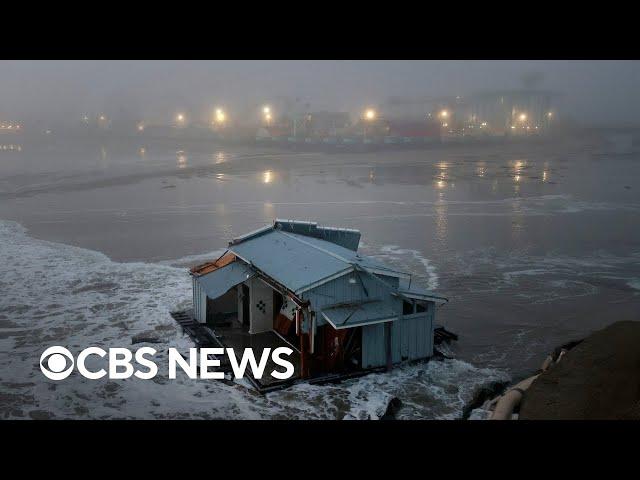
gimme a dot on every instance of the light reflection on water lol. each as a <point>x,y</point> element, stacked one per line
<point>441,220</point>
<point>10,147</point>
<point>181,159</point>
<point>269,210</point>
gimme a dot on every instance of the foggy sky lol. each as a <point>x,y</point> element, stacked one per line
<point>594,92</point>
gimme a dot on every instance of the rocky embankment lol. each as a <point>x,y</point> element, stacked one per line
<point>597,379</point>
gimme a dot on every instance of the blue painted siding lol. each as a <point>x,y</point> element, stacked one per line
<point>411,339</point>
<point>373,346</point>
<point>416,337</point>
<point>340,290</point>
<point>393,281</point>
<point>344,237</point>
<point>411,335</point>
<point>396,342</point>
<point>199,301</point>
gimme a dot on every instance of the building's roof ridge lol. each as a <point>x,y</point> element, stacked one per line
<point>340,257</point>
<point>344,237</point>
<point>252,234</point>
<point>317,247</point>
<point>314,224</point>
<point>302,262</point>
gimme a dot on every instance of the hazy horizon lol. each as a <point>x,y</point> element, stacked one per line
<point>591,92</point>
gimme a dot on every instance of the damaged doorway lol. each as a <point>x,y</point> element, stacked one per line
<point>285,327</point>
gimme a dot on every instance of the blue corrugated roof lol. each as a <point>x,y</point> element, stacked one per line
<point>298,261</point>
<point>289,261</point>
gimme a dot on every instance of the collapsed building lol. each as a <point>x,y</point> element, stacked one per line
<point>301,285</point>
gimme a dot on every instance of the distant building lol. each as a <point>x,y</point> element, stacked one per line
<point>10,127</point>
<point>274,131</point>
<point>322,124</point>
<point>408,117</point>
<point>423,128</point>
<point>509,111</point>
<point>407,108</point>
<point>495,113</point>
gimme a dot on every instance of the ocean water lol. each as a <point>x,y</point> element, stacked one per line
<point>533,245</point>
<point>57,294</point>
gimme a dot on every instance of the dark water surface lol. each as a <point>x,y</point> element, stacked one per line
<point>534,245</point>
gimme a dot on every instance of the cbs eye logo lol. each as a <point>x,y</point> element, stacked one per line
<point>55,366</point>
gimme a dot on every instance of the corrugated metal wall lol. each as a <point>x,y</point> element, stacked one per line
<point>373,349</point>
<point>340,290</point>
<point>411,336</point>
<point>346,238</point>
<point>393,281</point>
<point>411,339</point>
<point>199,301</point>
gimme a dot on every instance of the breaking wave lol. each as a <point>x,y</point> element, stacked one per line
<point>56,294</point>
<point>407,259</point>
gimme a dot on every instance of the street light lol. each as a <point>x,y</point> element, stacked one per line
<point>180,118</point>
<point>369,116</point>
<point>220,117</point>
<point>266,111</point>
<point>444,114</point>
<point>523,117</point>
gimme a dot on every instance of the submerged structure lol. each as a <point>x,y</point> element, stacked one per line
<point>304,286</point>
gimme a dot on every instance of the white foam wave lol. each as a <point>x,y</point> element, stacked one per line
<point>413,260</point>
<point>55,294</point>
<point>540,278</point>
<point>634,283</point>
<point>191,260</point>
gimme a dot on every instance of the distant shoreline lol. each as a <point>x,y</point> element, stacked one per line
<point>300,145</point>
